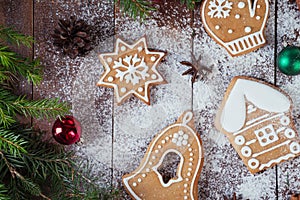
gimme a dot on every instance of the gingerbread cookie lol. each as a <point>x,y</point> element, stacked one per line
<point>257,119</point>
<point>237,25</point>
<point>131,69</point>
<point>146,182</point>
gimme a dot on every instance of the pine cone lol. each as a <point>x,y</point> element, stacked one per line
<point>73,37</point>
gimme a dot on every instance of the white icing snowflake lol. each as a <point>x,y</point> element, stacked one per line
<point>132,68</point>
<point>219,8</point>
<point>180,138</point>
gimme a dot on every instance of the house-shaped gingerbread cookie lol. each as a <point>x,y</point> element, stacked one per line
<point>257,119</point>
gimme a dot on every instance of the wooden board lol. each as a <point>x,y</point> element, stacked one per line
<point>115,138</point>
<point>75,80</point>
<point>288,29</point>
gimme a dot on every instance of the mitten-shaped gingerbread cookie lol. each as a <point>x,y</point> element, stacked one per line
<point>257,119</point>
<point>237,25</point>
<point>146,182</point>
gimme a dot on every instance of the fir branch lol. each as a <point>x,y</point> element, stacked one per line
<point>11,143</point>
<point>11,104</point>
<point>9,35</point>
<point>12,63</point>
<point>135,8</point>
<point>3,192</point>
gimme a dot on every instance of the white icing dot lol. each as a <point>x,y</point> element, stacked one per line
<point>180,139</point>
<point>147,170</point>
<point>241,5</point>
<point>153,58</point>
<point>230,31</point>
<point>217,27</point>
<point>185,191</point>
<point>170,136</point>
<point>144,175</point>
<point>167,138</point>
<point>176,135</point>
<point>123,48</point>
<point>187,179</point>
<point>109,59</point>
<point>248,29</point>
<point>163,141</point>
<point>153,76</point>
<point>190,164</point>
<point>258,6</point>
<point>123,89</point>
<point>258,17</point>
<point>140,49</point>
<point>134,184</point>
<point>139,180</point>
<point>191,154</point>
<point>190,149</point>
<point>237,16</point>
<point>185,197</point>
<point>159,146</point>
<point>150,163</point>
<point>185,185</point>
<point>190,169</point>
<point>191,159</point>
<point>185,136</point>
<point>184,142</point>
<point>178,143</point>
<point>174,140</point>
<point>188,174</point>
<point>189,145</point>
<point>156,151</point>
<point>153,157</point>
<point>140,89</point>
<point>180,132</point>
<point>110,79</point>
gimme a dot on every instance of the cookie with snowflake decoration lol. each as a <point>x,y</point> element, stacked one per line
<point>131,70</point>
<point>147,181</point>
<point>237,25</point>
<point>257,119</point>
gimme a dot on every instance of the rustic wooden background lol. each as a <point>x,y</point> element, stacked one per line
<point>115,138</point>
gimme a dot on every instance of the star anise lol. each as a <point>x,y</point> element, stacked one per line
<point>196,69</point>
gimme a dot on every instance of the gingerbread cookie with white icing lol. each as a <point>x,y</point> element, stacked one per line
<point>237,25</point>
<point>257,119</point>
<point>146,182</point>
<point>131,70</point>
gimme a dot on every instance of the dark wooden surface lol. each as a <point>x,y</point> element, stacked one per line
<point>115,138</point>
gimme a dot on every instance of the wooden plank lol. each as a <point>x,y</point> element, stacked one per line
<point>135,123</point>
<point>18,15</point>
<point>223,172</point>
<point>75,80</point>
<point>288,28</point>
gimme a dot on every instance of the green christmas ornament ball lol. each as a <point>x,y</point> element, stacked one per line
<point>288,60</point>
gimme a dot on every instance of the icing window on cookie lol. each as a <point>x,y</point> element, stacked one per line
<point>266,135</point>
<point>219,8</point>
<point>131,68</point>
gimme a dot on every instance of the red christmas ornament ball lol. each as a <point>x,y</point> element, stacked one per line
<point>66,130</point>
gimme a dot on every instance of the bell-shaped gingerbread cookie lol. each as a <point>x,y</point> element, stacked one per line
<point>237,25</point>
<point>257,119</point>
<point>146,182</point>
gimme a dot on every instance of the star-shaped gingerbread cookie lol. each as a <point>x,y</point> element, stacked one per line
<point>131,69</point>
